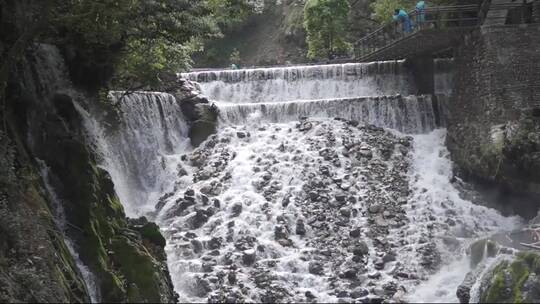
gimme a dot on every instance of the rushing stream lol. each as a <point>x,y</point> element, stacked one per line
<point>309,192</point>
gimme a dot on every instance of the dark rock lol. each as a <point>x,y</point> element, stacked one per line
<point>241,134</point>
<point>300,227</point>
<point>199,219</point>
<point>214,243</point>
<point>316,268</point>
<point>355,233</point>
<point>375,208</point>
<point>309,295</point>
<point>359,293</point>
<point>349,274</point>
<point>231,277</point>
<point>379,264</point>
<point>197,246</point>
<point>389,257</point>
<point>463,293</point>
<point>236,209</point>
<point>249,257</point>
<point>200,130</point>
<point>305,126</point>
<point>203,287</point>
<point>280,232</point>
<point>346,212</point>
<point>340,197</point>
<point>361,249</point>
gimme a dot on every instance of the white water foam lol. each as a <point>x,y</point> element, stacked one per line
<point>409,114</point>
<point>305,82</point>
<point>436,211</point>
<point>457,221</point>
<point>142,153</point>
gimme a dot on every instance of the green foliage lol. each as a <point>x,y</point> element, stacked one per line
<point>228,13</point>
<point>383,10</point>
<point>152,36</point>
<point>325,22</point>
<point>235,57</point>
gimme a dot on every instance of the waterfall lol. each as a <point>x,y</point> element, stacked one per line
<point>139,153</point>
<point>88,277</point>
<point>46,77</point>
<point>294,199</point>
<point>437,198</point>
<point>306,82</point>
<point>411,114</point>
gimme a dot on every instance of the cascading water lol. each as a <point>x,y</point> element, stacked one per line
<point>50,71</point>
<point>306,82</point>
<point>406,114</point>
<point>295,199</point>
<point>152,131</point>
<point>60,219</point>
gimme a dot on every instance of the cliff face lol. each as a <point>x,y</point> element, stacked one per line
<point>64,236</point>
<point>494,123</point>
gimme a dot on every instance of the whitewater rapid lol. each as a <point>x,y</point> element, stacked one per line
<point>289,203</point>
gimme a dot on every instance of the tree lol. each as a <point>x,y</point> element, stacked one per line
<point>383,10</point>
<point>235,57</point>
<point>148,38</point>
<point>325,22</point>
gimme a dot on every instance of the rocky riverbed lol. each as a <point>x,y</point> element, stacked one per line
<point>315,210</point>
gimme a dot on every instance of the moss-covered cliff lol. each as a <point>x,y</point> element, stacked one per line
<point>53,195</point>
<point>514,281</point>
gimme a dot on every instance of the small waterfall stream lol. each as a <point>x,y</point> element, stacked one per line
<point>295,199</point>
<point>61,222</point>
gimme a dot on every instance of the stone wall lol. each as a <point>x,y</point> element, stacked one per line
<point>494,112</point>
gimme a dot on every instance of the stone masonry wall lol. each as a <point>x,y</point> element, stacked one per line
<point>494,112</point>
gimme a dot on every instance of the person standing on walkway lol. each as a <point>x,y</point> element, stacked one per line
<point>420,10</point>
<point>401,16</point>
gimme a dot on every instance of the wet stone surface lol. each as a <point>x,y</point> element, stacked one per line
<point>317,210</point>
<point>307,211</point>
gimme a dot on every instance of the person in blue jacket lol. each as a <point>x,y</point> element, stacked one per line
<point>401,16</point>
<point>420,13</point>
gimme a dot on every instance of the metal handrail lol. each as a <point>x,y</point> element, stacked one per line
<point>457,16</point>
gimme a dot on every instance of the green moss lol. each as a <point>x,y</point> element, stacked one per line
<point>138,267</point>
<point>497,291</point>
<point>532,259</point>
<point>509,279</point>
<point>151,232</point>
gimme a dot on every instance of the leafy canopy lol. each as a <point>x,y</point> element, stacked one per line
<point>325,22</point>
<point>153,36</point>
<point>383,10</point>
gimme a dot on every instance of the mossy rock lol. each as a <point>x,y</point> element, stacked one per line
<point>151,232</point>
<point>139,269</point>
<point>515,281</point>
